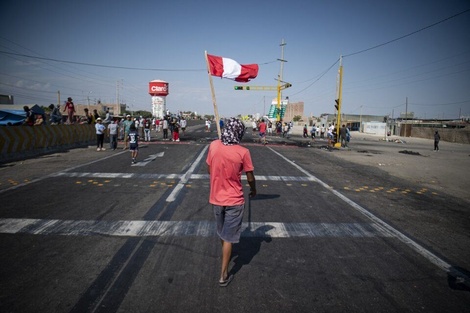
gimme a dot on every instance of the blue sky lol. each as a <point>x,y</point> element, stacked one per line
<point>134,42</point>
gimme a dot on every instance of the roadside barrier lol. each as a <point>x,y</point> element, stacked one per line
<point>18,142</point>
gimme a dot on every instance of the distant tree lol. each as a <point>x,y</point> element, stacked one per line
<point>297,118</point>
<point>145,114</point>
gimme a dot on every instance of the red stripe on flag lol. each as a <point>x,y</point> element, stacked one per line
<point>216,65</point>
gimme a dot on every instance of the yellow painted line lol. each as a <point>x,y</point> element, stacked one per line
<point>304,185</point>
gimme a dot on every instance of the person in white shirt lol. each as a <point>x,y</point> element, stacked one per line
<point>113,133</point>
<point>183,124</point>
<point>329,134</point>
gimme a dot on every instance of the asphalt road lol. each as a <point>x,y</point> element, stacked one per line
<point>329,231</point>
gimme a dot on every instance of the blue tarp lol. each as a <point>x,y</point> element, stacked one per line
<point>17,117</point>
<point>12,117</point>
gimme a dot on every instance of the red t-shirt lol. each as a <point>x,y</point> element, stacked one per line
<point>262,127</point>
<point>226,166</point>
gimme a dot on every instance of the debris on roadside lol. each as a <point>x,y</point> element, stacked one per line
<point>409,152</point>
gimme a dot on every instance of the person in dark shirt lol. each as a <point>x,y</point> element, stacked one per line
<point>436,141</point>
<point>133,142</point>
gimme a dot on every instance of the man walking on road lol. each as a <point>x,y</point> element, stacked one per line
<point>226,160</point>
<point>127,125</point>
<point>436,141</point>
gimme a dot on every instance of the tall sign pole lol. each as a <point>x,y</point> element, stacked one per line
<point>338,101</point>
<point>279,79</point>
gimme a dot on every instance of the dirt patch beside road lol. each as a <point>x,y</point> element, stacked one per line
<point>445,171</point>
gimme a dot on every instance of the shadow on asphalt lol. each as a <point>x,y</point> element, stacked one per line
<point>457,280</point>
<point>249,246</point>
<point>265,197</point>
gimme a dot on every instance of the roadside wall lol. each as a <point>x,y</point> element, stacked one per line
<point>18,142</point>
<point>458,135</point>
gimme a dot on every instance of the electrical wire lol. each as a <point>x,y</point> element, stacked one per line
<point>408,35</point>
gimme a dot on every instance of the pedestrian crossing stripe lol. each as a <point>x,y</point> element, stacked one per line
<point>140,228</point>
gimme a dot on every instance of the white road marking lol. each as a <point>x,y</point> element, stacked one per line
<point>58,173</point>
<point>150,158</point>
<point>184,179</point>
<point>184,228</point>
<point>175,176</point>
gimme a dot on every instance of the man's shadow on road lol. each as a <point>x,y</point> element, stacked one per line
<point>251,239</point>
<point>249,246</point>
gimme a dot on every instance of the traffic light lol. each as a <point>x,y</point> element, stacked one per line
<point>238,87</point>
<point>337,104</point>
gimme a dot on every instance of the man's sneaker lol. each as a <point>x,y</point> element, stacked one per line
<point>98,149</point>
<point>103,149</point>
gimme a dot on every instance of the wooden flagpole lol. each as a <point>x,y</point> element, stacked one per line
<point>216,111</point>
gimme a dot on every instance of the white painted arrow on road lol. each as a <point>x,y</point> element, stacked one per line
<point>150,158</point>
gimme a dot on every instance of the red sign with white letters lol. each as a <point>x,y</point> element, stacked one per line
<point>158,88</point>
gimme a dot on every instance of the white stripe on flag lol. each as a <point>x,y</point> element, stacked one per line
<point>231,68</point>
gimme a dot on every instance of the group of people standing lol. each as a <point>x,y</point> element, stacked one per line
<point>130,130</point>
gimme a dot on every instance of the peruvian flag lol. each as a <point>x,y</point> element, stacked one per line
<point>228,68</point>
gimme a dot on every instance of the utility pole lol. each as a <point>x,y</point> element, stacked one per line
<point>360,121</point>
<point>117,92</point>
<point>279,79</point>
<point>339,101</point>
<point>58,97</point>
<point>406,116</point>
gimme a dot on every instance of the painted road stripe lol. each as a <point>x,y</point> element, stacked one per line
<point>184,179</point>
<point>149,159</point>
<point>176,176</point>
<point>184,228</point>
<point>58,173</point>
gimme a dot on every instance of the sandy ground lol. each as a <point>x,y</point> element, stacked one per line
<point>446,170</point>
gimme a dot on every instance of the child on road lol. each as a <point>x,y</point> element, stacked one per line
<point>133,137</point>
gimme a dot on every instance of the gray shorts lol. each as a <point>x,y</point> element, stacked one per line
<point>229,222</point>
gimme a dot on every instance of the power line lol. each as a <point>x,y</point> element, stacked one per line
<point>106,66</point>
<point>410,34</point>
<point>323,74</point>
<point>381,45</point>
